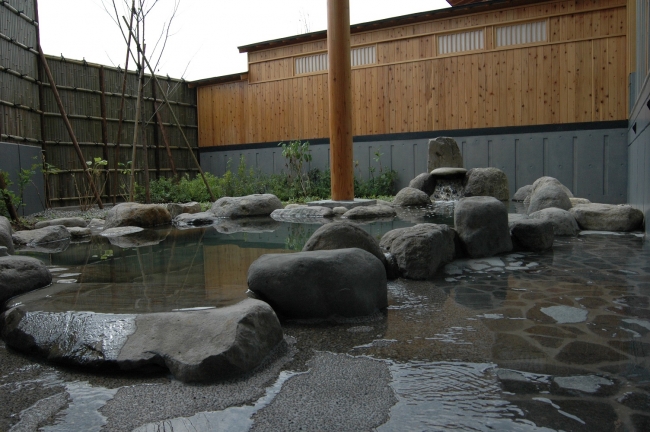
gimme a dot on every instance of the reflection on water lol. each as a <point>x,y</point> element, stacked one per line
<point>521,341</point>
<point>167,269</point>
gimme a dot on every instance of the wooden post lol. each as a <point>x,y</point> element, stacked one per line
<point>156,137</point>
<point>340,99</point>
<point>68,126</point>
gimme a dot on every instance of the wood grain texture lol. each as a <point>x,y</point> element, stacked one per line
<point>577,75</point>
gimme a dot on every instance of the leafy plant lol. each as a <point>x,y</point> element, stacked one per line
<point>96,168</point>
<point>298,155</point>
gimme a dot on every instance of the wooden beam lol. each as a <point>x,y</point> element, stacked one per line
<point>340,99</point>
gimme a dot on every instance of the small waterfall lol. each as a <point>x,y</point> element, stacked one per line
<point>449,189</point>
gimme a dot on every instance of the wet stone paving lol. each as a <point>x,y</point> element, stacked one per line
<point>516,342</point>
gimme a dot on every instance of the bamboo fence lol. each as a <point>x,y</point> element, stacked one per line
<point>91,96</point>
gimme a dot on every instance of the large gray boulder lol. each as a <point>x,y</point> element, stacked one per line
<point>444,152</point>
<point>176,209</point>
<point>546,180</point>
<point>608,217</point>
<point>424,182</point>
<point>21,274</point>
<point>421,249</point>
<point>66,222</point>
<point>547,196</point>
<point>343,235</point>
<point>370,212</point>
<point>249,205</point>
<point>482,226</point>
<point>48,234</point>
<point>320,284</point>
<point>140,215</point>
<point>5,235</point>
<point>487,182</point>
<point>564,224</point>
<point>196,346</point>
<point>522,193</point>
<point>532,234</point>
<point>409,196</point>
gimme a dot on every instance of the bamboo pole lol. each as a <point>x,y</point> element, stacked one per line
<point>163,132</point>
<point>156,136</point>
<point>121,113</point>
<point>145,156</point>
<point>340,99</point>
<point>171,110</point>
<point>102,102</point>
<point>68,126</point>
<point>135,136</point>
<point>41,106</point>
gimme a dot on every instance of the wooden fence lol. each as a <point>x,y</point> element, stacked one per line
<point>91,96</point>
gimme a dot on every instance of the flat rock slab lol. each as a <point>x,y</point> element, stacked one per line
<point>321,284</point>
<point>246,206</point>
<point>140,215</point>
<point>447,172</point>
<point>5,234</point>
<point>40,236</point>
<point>370,212</point>
<point>608,217</point>
<point>66,222</point>
<point>195,219</point>
<point>420,250</point>
<point>121,231</point>
<point>409,196</point>
<point>21,274</point>
<point>298,213</point>
<point>347,204</point>
<point>196,346</point>
<point>247,225</point>
<point>482,225</point>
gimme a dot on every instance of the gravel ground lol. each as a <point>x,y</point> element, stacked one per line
<point>66,212</point>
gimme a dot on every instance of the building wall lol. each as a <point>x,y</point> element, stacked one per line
<point>577,75</point>
<point>589,159</point>
<point>639,125</point>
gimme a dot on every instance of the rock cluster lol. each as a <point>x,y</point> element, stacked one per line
<point>246,206</point>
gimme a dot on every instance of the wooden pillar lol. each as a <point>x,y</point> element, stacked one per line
<point>340,99</point>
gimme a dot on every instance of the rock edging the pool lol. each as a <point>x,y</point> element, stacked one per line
<point>195,345</point>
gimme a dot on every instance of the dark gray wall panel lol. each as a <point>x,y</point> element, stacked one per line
<point>501,154</point>
<point>592,163</point>
<point>15,157</point>
<point>529,154</point>
<point>558,158</point>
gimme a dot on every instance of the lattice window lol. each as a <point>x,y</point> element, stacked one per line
<point>521,33</point>
<point>458,42</point>
<point>364,55</point>
<point>311,63</point>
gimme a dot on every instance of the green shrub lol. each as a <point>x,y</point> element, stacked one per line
<point>311,186</point>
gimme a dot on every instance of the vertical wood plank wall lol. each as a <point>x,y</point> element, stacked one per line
<point>579,74</point>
